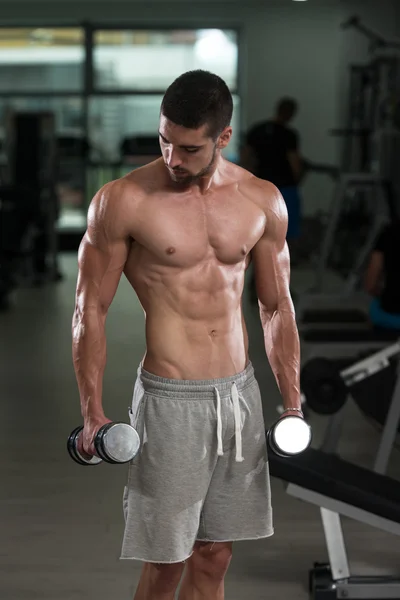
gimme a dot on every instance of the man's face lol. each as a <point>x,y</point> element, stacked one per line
<point>188,154</point>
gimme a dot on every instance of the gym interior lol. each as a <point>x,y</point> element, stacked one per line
<point>74,114</point>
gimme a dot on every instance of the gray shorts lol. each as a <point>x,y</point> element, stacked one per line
<point>202,470</point>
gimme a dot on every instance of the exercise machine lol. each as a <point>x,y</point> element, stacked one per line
<point>377,197</point>
<point>344,342</point>
<point>374,190</point>
<point>321,477</point>
<point>28,203</point>
<point>326,384</point>
<point>366,196</point>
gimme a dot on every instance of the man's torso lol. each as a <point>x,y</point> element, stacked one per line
<point>187,263</point>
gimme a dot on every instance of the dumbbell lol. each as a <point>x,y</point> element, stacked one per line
<point>289,436</point>
<point>115,443</point>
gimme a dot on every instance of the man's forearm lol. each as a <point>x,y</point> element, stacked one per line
<point>283,350</point>
<point>89,356</point>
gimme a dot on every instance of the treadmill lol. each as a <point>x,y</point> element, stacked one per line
<point>338,487</point>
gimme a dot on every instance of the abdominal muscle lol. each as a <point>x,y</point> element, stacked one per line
<point>195,328</point>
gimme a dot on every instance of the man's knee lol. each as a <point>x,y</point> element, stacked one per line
<point>211,559</point>
<point>164,577</point>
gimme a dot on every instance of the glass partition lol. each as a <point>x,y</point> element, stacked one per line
<point>124,126</point>
<point>106,123</point>
<point>151,60</point>
<point>72,150</point>
<point>41,60</point>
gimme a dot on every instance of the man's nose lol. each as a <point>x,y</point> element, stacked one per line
<point>173,158</point>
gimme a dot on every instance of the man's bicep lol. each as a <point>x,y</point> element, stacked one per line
<point>102,256</point>
<point>270,256</point>
<point>271,272</point>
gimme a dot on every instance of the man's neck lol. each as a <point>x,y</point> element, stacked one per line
<point>205,183</point>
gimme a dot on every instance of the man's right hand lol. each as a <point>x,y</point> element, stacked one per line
<point>90,429</point>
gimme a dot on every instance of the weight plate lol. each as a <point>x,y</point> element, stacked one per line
<point>121,442</point>
<point>72,446</point>
<point>99,444</point>
<point>289,436</point>
<point>323,387</point>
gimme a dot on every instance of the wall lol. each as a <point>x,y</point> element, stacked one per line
<point>288,48</point>
<point>294,52</point>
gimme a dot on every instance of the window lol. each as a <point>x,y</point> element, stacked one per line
<point>41,60</point>
<point>113,120</point>
<point>150,60</point>
<point>106,124</point>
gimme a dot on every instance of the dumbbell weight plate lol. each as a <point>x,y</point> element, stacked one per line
<point>72,446</point>
<point>290,436</point>
<point>98,443</point>
<point>117,443</point>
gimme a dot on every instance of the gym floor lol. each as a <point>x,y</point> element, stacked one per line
<point>62,524</point>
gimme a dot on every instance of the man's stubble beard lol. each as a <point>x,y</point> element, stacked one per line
<point>191,179</point>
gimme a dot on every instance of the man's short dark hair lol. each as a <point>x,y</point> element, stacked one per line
<point>198,98</point>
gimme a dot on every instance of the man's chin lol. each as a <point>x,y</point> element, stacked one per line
<point>180,177</point>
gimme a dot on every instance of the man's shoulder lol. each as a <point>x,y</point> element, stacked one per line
<point>258,189</point>
<point>265,195</point>
<point>129,190</point>
<point>114,208</point>
<point>112,196</point>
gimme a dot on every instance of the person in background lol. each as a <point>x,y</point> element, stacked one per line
<point>272,152</point>
<point>381,278</point>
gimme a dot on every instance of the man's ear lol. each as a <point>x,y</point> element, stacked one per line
<point>224,138</point>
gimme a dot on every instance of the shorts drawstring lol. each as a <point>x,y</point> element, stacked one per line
<point>219,423</point>
<point>238,429</point>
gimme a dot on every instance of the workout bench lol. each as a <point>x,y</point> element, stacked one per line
<point>341,488</point>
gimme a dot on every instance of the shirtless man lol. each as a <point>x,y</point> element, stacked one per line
<point>183,230</point>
